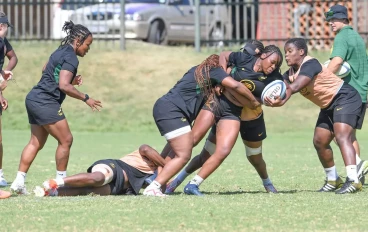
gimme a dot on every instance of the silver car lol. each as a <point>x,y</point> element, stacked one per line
<point>156,21</point>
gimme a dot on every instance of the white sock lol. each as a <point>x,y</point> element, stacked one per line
<point>331,173</point>
<point>155,185</point>
<point>197,180</point>
<point>182,175</point>
<point>266,181</point>
<point>358,160</point>
<point>59,182</point>
<point>21,178</point>
<point>1,172</point>
<point>60,174</point>
<point>351,172</point>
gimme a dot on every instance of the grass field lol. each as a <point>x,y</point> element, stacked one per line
<point>128,83</point>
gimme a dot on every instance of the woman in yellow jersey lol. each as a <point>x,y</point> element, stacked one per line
<point>340,111</point>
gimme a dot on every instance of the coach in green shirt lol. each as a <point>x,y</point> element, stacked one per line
<point>350,47</point>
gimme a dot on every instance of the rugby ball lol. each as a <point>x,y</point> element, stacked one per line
<point>273,89</point>
<point>343,71</point>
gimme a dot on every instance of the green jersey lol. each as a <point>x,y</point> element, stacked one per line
<point>349,46</point>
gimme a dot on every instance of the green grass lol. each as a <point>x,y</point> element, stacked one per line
<point>235,199</point>
<point>128,83</point>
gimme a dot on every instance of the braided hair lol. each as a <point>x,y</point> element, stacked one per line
<point>74,31</point>
<point>202,76</point>
<point>269,50</point>
<point>299,43</point>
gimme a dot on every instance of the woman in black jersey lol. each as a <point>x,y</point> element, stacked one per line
<point>252,131</point>
<point>6,50</point>
<point>254,71</point>
<point>43,102</point>
<point>176,110</point>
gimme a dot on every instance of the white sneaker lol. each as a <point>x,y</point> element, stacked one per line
<point>18,189</point>
<point>362,170</point>
<point>156,192</point>
<point>3,182</point>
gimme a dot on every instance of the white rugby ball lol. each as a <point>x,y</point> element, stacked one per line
<point>273,89</point>
<point>343,71</point>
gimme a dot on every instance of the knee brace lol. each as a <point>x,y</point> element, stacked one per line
<point>104,169</point>
<point>210,147</point>
<point>252,151</point>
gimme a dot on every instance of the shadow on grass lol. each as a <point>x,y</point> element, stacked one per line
<point>249,192</point>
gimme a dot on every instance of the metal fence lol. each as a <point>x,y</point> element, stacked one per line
<point>172,21</point>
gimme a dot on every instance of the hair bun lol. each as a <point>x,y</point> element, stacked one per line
<point>68,26</point>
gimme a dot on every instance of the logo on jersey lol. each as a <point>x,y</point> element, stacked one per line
<point>60,111</point>
<point>262,78</point>
<point>249,84</point>
<point>303,91</point>
<point>112,165</point>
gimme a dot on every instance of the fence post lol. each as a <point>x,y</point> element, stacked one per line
<point>355,15</point>
<point>197,41</point>
<point>122,25</point>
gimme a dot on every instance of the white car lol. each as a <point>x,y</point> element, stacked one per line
<point>155,21</point>
<point>62,10</point>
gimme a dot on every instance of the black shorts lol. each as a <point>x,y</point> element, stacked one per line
<point>43,113</point>
<point>136,178</point>
<point>168,117</point>
<point>222,108</point>
<point>361,116</point>
<point>346,107</point>
<point>254,130</point>
<point>117,182</point>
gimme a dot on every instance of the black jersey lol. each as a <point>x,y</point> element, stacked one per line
<point>243,72</point>
<point>4,43</point>
<point>186,93</point>
<point>47,89</point>
<point>310,68</point>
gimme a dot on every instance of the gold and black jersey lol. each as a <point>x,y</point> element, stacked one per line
<point>243,71</point>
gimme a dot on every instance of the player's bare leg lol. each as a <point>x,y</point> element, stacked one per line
<point>253,152</point>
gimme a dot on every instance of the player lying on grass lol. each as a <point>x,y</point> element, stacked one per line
<point>123,176</point>
<point>340,107</point>
<point>252,72</point>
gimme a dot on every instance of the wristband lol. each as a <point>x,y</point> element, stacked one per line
<point>86,98</point>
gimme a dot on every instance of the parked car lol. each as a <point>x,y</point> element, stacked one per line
<point>155,21</point>
<point>62,11</point>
